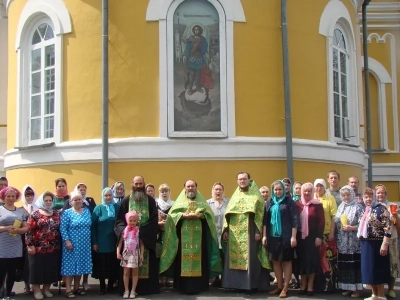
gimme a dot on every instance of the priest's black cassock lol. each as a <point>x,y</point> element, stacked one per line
<point>148,234</point>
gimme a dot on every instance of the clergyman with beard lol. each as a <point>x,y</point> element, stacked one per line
<point>145,206</point>
<point>246,265</point>
<point>190,252</point>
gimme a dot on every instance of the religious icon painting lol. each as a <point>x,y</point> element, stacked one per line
<point>197,70</point>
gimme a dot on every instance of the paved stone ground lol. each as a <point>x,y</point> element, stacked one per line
<point>212,294</point>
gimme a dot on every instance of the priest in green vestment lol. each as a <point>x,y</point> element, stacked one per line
<point>190,252</point>
<point>246,265</point>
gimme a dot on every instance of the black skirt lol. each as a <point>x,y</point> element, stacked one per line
<point>105,265</point>
<point>44,268</point>
<point>308,258</point>
<point>277,252</point>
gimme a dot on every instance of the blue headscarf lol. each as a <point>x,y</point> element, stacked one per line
<point>109,206</point>
<point>39,204</point>
<point>276,228</point>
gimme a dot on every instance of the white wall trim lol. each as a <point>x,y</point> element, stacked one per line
<point>334,11</point>
<point>158,10</point>
<point>382,26</point>
<point>54,9</point>
<point>384,17</point>
<point>335,15</point>
<point>230,11</point>
<point>382,77</point>
<point>164,149</point>
<point>383,6</point>
<point>393,59</point>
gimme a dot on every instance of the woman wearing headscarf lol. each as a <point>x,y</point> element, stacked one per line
<point>381,197</point>
<point>309,237</point>
<point>327,280</point>
<point>296,191</point>
<point>349,249</point>
<point>28,200</point>
<point>12,227</point>
<point>164,203</point>
<point>43,243</point>
<point>280,225</point>
<point>374,234</point>
<point>88,202</point>
<point>104,241</point>
<point>61,195</point>
<point>76,247</point>
<point>118,189</point>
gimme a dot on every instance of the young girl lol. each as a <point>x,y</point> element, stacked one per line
<point>131,257</point>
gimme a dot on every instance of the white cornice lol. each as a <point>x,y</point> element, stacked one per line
<point>383,6</point>
<point>164,149</point>
<point>382,26</point>
<point>382,17</point>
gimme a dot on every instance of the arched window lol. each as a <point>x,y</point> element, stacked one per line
<point>340,85</point>
<point>39,46</point>
<point>42,84</point>
<point>343,103</point>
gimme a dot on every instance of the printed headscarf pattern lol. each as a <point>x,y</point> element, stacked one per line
<point>39,204</point>
<point>349,209</point>
<point>109,206</point>
<point>4,191</point>
<point>76,190</point>
<point>28,207</point>
<point>363,227</point>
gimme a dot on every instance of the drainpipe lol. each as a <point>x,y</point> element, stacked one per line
<point>104,159</point>
<point>367,94</point>
<point>286,85</point>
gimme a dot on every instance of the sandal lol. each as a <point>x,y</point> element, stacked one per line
<point>86,286</point>
<point>356,294</point>
<point>125,295</point>
<point>283,294</point>
<point>79,292</point>
<point>168,284</point>
<point>132,295</point>
<point>70,295</point>
<point>275,292</point>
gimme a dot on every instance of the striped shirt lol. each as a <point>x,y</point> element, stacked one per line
<point>11,246</point>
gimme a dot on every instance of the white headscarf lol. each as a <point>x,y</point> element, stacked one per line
<point>28,207</point>
<point>164,205</point>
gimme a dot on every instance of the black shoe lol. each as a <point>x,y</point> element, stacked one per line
<point>101,292</point>
<point>302,292</point>
<point>310,293</point>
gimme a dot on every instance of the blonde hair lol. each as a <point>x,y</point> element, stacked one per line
<point>164,186</point>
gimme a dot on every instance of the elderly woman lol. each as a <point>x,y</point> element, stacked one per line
<point>88,202</point>
<point>43,244</point>
<point>218,204</point>
<point>374,235</point>
<point>309,237</point>
<point>118,189</point>
<point>61,194</point>
<point>105,263</point>
<point>12,227</point>
<point>76,249</point>
<point>327,281</point>
<point>349,249</point>
<point>381,197</point>
<point>280,225</point>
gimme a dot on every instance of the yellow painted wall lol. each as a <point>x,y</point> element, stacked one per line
<point>206,173</point>
<point>375,119</point>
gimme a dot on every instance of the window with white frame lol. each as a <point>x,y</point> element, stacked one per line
<point>340,85</point>
<point>42,84</point>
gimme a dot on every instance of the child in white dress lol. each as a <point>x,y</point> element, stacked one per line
<point>132,254</point>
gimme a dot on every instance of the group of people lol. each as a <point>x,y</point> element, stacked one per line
<point>330,239</point>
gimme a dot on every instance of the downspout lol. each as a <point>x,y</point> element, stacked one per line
<point>286,86</point>
<point>104,159</point>
<point>367,93</point>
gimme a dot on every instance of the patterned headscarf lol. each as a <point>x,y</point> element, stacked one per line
<point>4,191</point>
<point>349,209</point>
<point>118,199</point>
<point>39,204</point>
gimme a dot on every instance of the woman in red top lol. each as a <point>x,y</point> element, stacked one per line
<point>43,243</point>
